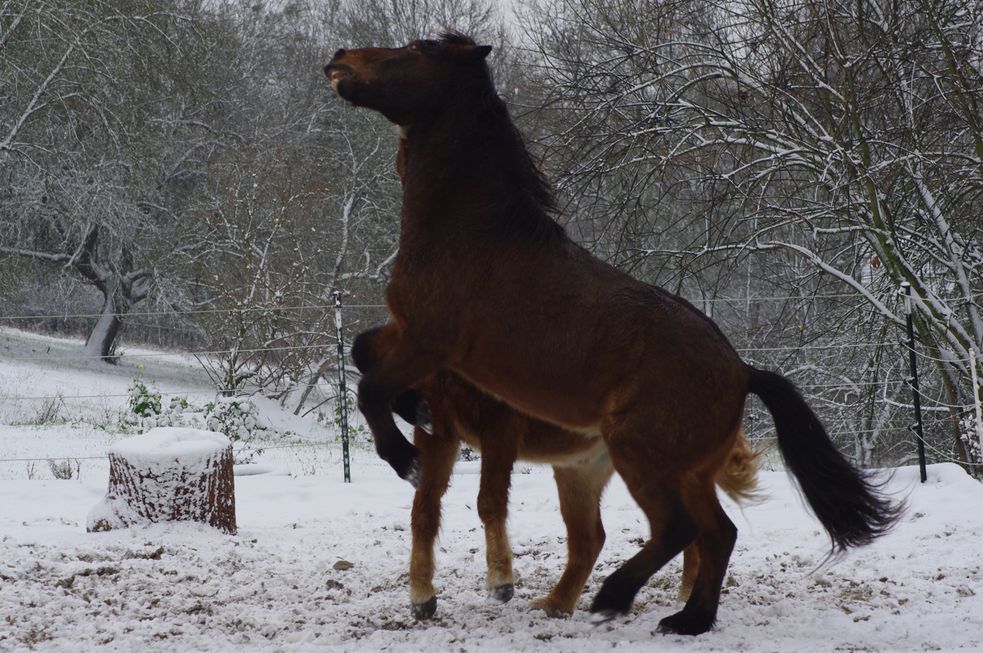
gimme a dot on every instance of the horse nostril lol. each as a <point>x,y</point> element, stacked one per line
<point>339,53</point>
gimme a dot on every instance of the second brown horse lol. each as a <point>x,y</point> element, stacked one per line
<point>581,468</point>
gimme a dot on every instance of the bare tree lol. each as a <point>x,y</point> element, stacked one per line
<point>845,136</point>
<point>100,138</point>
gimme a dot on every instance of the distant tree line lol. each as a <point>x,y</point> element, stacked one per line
<point>180,167</point>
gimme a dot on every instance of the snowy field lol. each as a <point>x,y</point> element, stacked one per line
<point>319,565</point>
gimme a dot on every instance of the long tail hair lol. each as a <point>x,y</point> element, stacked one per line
<point>843,498</point>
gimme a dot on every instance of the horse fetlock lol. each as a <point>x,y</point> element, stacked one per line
<point>501,593</point>
<point>425,610</point>
<point>688,621</point>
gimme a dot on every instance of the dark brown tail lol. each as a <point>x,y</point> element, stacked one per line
<point>844,499</point>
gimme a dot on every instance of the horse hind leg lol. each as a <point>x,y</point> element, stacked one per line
<point>437,455</point>
<point>713,545</point>
<point>580,488</point>
<point>739,480</point>
<point>657,493</point>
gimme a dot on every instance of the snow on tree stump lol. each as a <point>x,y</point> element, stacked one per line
<point>168,474</point>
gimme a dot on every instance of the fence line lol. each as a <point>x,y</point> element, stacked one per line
<point>330,307</point>
<point>325,444</point>
<point>117,395</point>
<point>330,340</point>
<point>921,354</point>
<point>296,445</point>
<point>201,311</point>
<point>204,353</point>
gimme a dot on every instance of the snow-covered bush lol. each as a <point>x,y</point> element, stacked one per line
<point>235,417</point>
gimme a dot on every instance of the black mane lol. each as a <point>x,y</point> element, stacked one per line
<point>532,201</point>
<point>452,37</point>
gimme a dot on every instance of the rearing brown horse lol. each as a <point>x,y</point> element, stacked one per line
<point>488,285</point>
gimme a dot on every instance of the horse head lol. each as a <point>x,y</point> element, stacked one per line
<point>408,84</point>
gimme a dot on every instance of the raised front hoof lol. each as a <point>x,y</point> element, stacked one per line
<point>693,622</point>
<point>552,608</point>
<point>425,610</point>
<point>501,593</point>
<point>408,466</point>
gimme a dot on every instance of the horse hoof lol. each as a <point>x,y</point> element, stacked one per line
<point>603,616</point>
<point>411,472</point>
<point>502,593</point>
<point>694,622</point>
<point>425,610</point>
<point>612,600</point>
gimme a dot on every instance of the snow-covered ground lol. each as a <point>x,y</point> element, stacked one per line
<point>278,586</point>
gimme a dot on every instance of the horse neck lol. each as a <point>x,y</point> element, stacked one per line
<point>452,143</point>
<point>455,151</point>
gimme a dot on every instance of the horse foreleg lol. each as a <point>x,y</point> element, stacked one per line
<point>404,365</point>
<point>493,506</point>
<point>579,488</point>
<point>437,455</point>
<point>369,349</point>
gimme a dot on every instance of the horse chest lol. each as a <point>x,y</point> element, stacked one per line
<point>425,287</point>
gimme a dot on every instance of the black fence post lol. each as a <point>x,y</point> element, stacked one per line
<point>913,381</point>
<point>342,388</point>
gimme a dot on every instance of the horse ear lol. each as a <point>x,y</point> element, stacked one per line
<point>475,52</point>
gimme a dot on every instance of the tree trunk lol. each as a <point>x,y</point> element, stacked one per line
<point>102,339</point>
<point>169,474</point>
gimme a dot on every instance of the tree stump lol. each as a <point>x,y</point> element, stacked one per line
<point>168,474</point>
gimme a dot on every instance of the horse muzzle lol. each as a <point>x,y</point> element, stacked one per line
<point>336,73</point>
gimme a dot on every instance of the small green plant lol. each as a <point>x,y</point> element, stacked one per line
<point>143,401</point>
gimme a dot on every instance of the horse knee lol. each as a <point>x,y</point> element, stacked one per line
<point>491,507</point>
<point>362,353</point>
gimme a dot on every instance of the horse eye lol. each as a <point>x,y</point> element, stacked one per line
<point>414,47</point>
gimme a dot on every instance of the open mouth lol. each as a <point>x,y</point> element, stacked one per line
<point>336,73</point>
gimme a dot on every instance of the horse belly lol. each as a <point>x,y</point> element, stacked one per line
<point>566,399</point>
